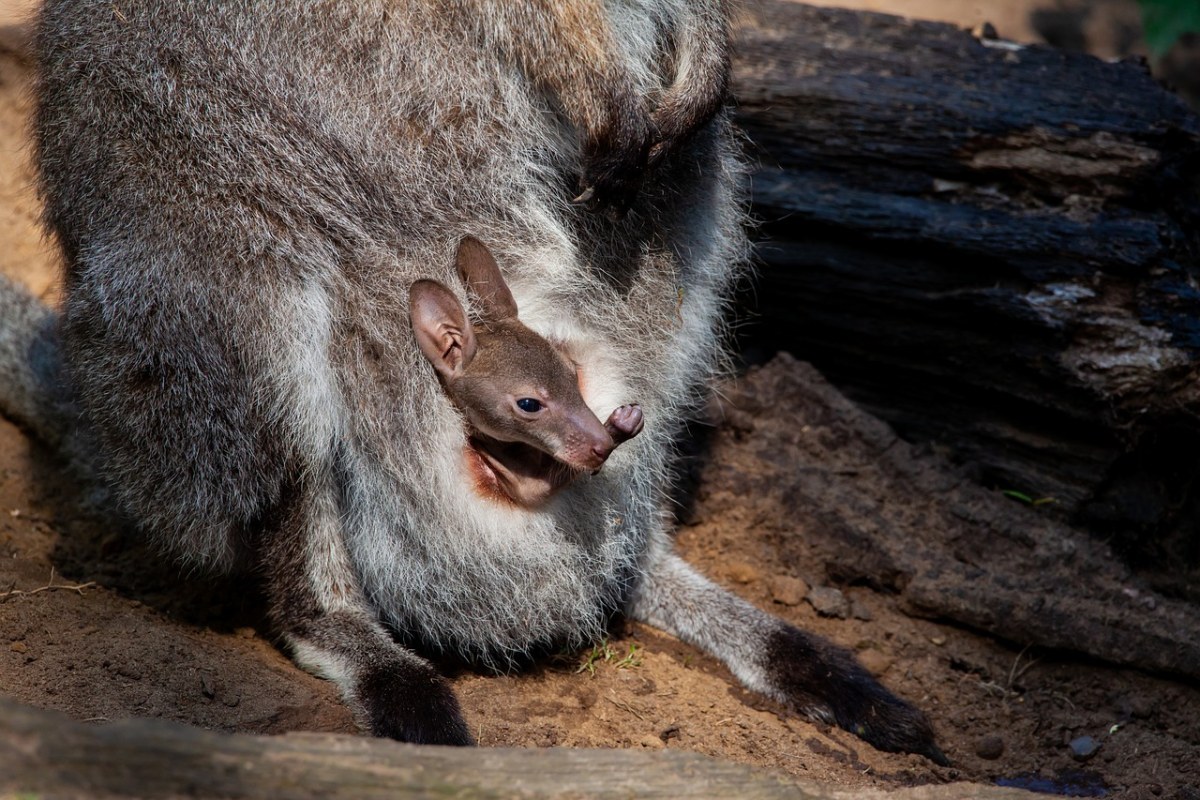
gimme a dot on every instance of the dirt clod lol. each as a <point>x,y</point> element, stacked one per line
<point>990,747</point>
<point>788,590</point>
<point>741,572</point>
<point>1141,706</point>
<point>860,611</point>
<point>829,602</point>
<point>876,663</point>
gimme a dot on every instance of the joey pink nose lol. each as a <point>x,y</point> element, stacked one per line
<point>599,453</point>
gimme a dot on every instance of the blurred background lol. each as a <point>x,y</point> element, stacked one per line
<point>1166,32</point>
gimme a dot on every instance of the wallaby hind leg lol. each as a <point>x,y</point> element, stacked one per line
<point>805,672</point>
<point>322,614</point>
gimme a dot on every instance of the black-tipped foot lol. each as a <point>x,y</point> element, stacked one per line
<point>816,676</point>
<point>413,704</point>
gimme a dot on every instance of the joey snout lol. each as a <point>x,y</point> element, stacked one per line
<point>584,443</point>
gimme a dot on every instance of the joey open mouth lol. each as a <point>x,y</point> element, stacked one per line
<point>515,472</point>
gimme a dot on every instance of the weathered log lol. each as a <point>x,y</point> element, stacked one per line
<point>835,489</point>
<point>991,246</point>
<point>43,752</point>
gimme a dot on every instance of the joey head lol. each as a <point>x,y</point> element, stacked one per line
<point>530,431</point>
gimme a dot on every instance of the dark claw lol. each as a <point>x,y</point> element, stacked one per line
<point>934,754</point>
<point>611,192</point>
<point>614,163</point>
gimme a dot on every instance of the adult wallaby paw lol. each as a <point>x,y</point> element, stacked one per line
<point>401,704</point>
<point>823,681</point>
<point>615,160</point>
<point>677,125</point>
<point>611,182</point>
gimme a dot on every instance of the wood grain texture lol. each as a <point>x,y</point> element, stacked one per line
<point>992,246</point>
<point>881,512</point>
<point>43,753</point>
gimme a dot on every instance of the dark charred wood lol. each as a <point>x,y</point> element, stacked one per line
<point>878,511</point>
<point>993,247</point>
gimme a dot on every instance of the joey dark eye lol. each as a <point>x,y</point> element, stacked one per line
<point>529,405</point>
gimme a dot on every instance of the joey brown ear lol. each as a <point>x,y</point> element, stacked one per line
<point>441,327</point>
<point>482,276</point>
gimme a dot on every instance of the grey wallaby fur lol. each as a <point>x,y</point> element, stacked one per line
<point>246,192</point>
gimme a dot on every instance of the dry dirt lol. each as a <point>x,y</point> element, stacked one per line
<point>94,624</point>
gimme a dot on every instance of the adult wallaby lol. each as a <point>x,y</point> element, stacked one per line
<point>245,195</point>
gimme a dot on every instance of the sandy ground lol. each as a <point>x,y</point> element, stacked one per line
<point>94,624</point>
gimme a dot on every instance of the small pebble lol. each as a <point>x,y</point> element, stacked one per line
<point>990,747</point>
<point>741,572</point>
<point>19,647</point>
<point>788,590</point>
<point>651,741</point>
<point>1141,706</point>
<point>938,640</point>
<point>860,611</point>
<point>875,662</point>
<point>829,602</point>
<point>1083,748</point>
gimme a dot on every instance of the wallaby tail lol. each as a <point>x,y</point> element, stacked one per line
<point>34,391</point>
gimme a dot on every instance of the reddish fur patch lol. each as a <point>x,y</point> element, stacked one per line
<point>483,477</point>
